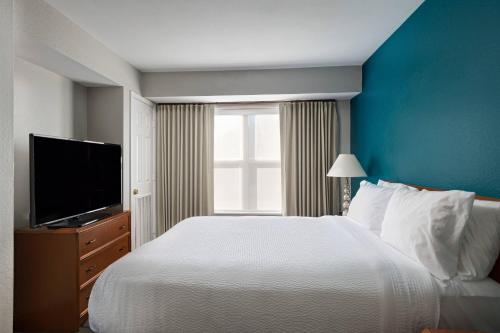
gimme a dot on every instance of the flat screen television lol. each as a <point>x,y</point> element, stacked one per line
<point>72,181</point>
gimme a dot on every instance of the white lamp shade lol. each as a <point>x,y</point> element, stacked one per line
<point>346,165</point>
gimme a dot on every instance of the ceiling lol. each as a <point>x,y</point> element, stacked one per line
<point>181,35</point>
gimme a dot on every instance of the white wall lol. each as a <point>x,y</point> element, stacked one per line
<point>44,103</point>
<point>46,37</point>
<point>6,164</point>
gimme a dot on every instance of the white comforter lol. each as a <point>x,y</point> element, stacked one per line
<point>261,274</point>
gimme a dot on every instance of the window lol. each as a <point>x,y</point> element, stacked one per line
<point>247,170</point>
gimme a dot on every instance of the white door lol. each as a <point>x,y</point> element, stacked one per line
<point>142,169</point>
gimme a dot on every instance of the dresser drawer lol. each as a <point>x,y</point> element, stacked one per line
<point>91,266</point>
<point>85,296</point>
<point>94,237</point>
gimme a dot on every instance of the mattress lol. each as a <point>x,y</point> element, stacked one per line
<point>264,274</point>
<point>470,305</point>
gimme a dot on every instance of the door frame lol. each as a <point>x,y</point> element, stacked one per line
<point>137,97</point>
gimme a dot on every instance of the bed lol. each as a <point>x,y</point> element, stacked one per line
<point>265,274</point>
<point>283,274</point>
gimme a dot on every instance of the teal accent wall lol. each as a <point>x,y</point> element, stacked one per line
<point>429,112</point>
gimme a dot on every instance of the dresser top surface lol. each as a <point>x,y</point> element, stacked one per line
<point>45,230</point>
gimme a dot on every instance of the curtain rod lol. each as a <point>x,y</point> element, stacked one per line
<point>255,102</point>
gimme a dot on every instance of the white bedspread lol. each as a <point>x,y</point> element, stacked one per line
<point>264,274</point>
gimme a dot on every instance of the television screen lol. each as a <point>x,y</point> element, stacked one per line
<point>70,178</point>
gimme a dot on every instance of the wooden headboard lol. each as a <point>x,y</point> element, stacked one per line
<point>495,272</point>
<point>478,197</point>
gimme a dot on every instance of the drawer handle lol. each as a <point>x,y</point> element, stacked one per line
<point>90,241</point>
<point>90,269</point>
<point>121,249</point>
<point>123,227</point>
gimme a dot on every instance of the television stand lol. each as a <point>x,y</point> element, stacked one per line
<point>57,268</point>
<point>79,221</point>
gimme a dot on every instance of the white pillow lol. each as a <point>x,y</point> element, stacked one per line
<point>369,204</point>
<point>481,241</point>
<point>395,185</point>
<point>428,226</point>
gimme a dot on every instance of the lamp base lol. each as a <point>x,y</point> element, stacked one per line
<point>346,196</point>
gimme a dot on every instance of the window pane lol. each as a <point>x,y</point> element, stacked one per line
<point>228,137</point>
<point>269,189</point>
<point>267,137</point>
<point>228,189</point>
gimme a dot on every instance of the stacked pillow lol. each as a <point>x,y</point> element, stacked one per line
<point>395,186</point>
<point>369,204</point>
<point>481,241</point>
<point>448,232</point>
<point>428,226</point>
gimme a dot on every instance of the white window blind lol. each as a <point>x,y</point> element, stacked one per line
<point>247,170</point>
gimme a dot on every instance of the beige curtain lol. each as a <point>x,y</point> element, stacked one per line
<point>184,153</point>
<point>309,141</point>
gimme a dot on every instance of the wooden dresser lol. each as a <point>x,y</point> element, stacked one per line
<point>55,269</point>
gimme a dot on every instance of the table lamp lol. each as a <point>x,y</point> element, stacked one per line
<point>346,166</point>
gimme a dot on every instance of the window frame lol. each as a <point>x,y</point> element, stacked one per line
<point>248,164</point>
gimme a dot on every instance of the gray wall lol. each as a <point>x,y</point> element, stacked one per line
<point>344,113</point>
<point>108,120</point>
<point>49,104</point>
<point>335,81</point>
<point>126,147</point>
<point>105,114</point>
<point>6,164</point>
<point>44,103</point>
<point>340,83</point>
